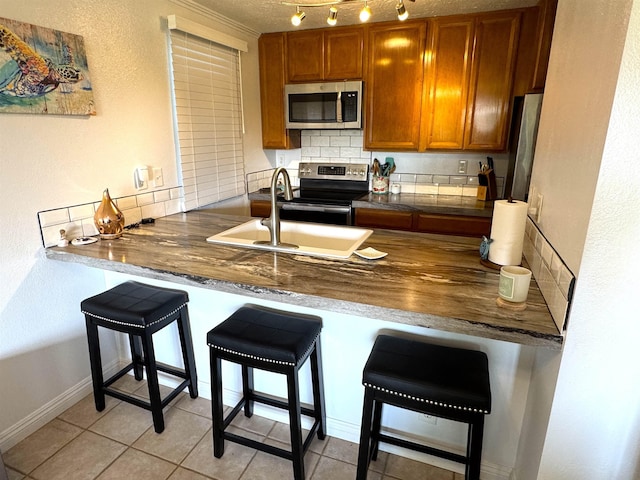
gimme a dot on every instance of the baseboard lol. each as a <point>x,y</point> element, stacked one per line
<point>36,420</point>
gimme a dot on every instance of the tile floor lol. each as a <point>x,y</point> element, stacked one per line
<point>120,443</point>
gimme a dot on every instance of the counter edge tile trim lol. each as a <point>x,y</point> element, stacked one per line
<point>554,278</point>
<point>77,220</point>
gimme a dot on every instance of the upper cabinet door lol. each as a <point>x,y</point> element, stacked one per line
<point>493,65</point>
<point>448,68</point>
<point>343,53</point>
<point>305,56</point>
<point>271,55</point>
<point>329,54</point>
<point>393,85</point>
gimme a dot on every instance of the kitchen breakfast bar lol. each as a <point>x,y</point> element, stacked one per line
<point>428,286</point>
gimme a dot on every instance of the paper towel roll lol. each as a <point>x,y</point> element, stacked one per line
<point>507,232</point>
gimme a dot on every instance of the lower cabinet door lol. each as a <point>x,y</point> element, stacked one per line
<point>453,225</point>
<point>377,218</point>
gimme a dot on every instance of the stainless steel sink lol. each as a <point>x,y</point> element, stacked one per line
<point>302,238</point>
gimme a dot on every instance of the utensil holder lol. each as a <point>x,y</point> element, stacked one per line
<point>380,184</point>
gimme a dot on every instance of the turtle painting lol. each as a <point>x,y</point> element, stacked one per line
<point>40,74</point>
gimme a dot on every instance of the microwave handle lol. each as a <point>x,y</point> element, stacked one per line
<point>339,107</point>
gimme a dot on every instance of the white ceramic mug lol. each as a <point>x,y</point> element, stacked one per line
<point>514,283</point>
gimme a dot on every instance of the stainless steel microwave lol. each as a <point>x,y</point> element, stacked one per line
<point>328,105</point>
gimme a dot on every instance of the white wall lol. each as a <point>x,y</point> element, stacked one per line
<point>583,68</point>
<point>594,428</point>
<point>57,161</point>
<point>587,426</point>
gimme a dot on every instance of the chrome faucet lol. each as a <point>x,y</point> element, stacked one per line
<point>273,222</point>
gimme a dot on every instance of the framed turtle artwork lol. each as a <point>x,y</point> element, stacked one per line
<point>43,71</point>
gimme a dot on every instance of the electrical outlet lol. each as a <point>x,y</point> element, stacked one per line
<point>430,419</point>
<point>538,207</point>
<point>141,178</point>
<point>280,161</point>
<point>462,166</point>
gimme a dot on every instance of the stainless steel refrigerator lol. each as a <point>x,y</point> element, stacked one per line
<point>522,145</point>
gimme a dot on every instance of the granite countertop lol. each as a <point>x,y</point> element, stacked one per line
<point>432,281</point>
<point>441,204</point>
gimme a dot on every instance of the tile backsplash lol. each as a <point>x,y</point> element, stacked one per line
<point>77,220</point>
<point>422,173</point>
<point>554,278</point>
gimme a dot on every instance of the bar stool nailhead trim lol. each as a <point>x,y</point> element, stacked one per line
<point>418,399</point>
<point>263,359</point>
<point>135,325</point>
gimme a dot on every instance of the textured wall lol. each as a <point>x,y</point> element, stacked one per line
<point>581,81</point>
<point>594,428</point>
<point>56,161</point>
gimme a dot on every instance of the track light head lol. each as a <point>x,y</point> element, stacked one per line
<point>297,17</point>
<point>332,19</point>
<point>402,11</point>
<point>365,13</point>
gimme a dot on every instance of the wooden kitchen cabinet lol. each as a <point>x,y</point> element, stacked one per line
<point>462,225</point>
<point>393,85</point>
<point>260,208</point>
<point>378,218</point>
<point>271,49</point>
<point>448,68</point>
<point>327,54</point>
<point>546,22</point>
<point>452,224</point>
<point>464,102</point>
<point>493,65</point>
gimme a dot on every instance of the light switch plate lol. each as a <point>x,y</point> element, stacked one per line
<point>157,178</point>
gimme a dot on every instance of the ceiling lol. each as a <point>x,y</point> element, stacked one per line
<point>271,16</point>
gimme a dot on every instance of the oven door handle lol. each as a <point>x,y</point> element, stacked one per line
<point>310,207</point>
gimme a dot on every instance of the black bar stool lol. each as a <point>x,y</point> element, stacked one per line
<point>446,382</point>
<point>140,310</point>
<point>275,341</point>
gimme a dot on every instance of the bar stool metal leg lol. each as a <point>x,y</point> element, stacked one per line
<point>295,425</point>
<point>364,451</point>
<point>152,381</point>
<point>95,360</point>
<point>247,390</point>
<point>217,406</point>
<point>318,390</point>
<point>375,429</point>
<point>474,449</point>
<point>188,358</point>
<point>136,357</point>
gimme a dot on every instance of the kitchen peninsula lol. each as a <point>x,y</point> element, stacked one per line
<point>426,280</point>
<point>428,286</point>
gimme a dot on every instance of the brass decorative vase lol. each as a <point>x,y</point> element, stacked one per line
<point>108,218</point>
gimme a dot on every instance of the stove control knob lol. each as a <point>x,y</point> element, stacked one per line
<point>362,173</point>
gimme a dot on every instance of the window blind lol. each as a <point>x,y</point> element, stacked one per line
<point>208,119</point>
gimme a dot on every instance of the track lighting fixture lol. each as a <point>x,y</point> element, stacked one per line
<point>332,19</point>
<point>402,12</point>
<point>365,13</point>
<point>297,17</point>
